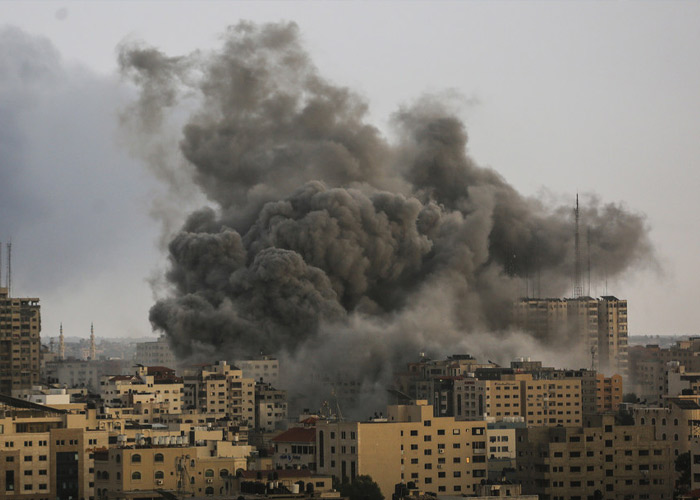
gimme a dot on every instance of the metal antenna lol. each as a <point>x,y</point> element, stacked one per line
<point>588,244</point>
<point>0,263</point>
<point>577,264</point>
<point>9,269</point>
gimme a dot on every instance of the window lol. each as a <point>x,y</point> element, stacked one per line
<point>414,433</point>
<point>135,476</point>
<point>158,457</point>
<point>223,473</point>
<point>159,474</point>
<point>136,459</point>
<point>209,473</point>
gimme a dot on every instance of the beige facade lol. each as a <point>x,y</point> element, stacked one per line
<point>20,343</point>
<point>612,335</point>
<point>608,393</point>
<point>601,458</point>
<point>595,327</point>
<point>678,423</point>
<point>156,353</point>
<point>194,471</point>
<point>271,408</point>
<point>266,369</point>
<point>539,402</point>
<point>150,391</point>
<point>220,389</point>
<point>47,455</point>
<point>438,454</point>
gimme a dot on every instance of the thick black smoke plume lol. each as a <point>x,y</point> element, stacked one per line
<point>328,245</point>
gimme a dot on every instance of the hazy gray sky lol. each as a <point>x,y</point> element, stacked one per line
<point>599,97</point>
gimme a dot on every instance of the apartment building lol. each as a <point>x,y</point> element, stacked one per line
<point>271,408</point>
<point>122,472</point>
<point>220,389</point>
<point>595,327</point>
<point>608,393</point>
<point>46,453</point>
<point>83,373</point>
<point>265,369</point>
<point>156,353</point>
<point>695,464</point>
<point>678,422</point>
<point>539,402</point>
<point>152,390</point>
<point>597,460</point>
<point>438,454</point>
<point>20,342</point>
<point>612,335</point>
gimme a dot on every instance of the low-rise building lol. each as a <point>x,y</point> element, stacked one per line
<point>121,472</point>
<point>295,448</point>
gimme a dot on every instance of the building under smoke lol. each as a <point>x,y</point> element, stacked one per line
<point>597,328</point>
<point>328,245</point>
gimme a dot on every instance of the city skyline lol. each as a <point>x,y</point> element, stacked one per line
<point>612,109</point>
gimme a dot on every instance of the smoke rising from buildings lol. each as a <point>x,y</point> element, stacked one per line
<point>331,246</point>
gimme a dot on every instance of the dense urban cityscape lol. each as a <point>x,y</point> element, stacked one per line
<point>108,420</point>
<point>258,251</point>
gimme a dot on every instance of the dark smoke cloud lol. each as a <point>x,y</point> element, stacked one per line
<point>329,245</point>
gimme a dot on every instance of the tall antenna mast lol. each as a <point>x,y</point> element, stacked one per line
<point>0,263</point>
<point>9,268</point>
<point>588,245</point>
<point>577,264</point>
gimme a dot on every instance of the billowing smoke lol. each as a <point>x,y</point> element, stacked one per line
<point>325,243</point>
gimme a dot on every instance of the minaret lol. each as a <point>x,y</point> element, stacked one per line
<point>61,345</point>
<point>93,349</point>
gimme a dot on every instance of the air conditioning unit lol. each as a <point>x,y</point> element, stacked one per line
<point>159,481</point>
<point>210,481</point>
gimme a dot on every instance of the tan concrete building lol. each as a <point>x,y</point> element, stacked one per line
<point>612,335</point>
<point>600,458</point>
<point>695,464</point>
<point>220,389</point>
<point>150,392</point>
<point>46,453</point>
<point>678,423</point>
<point>156,353</point>
<point>20,342</point>
<point>266,369</point>
<point>270,408</point>
<point>295,448</point>
<point>130,472</point>
<point>539,402</point>
<point>608,393</point>
<point>438,454</point>
<point>598,327</point>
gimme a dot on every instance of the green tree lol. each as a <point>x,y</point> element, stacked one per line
<point>362,488</point>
